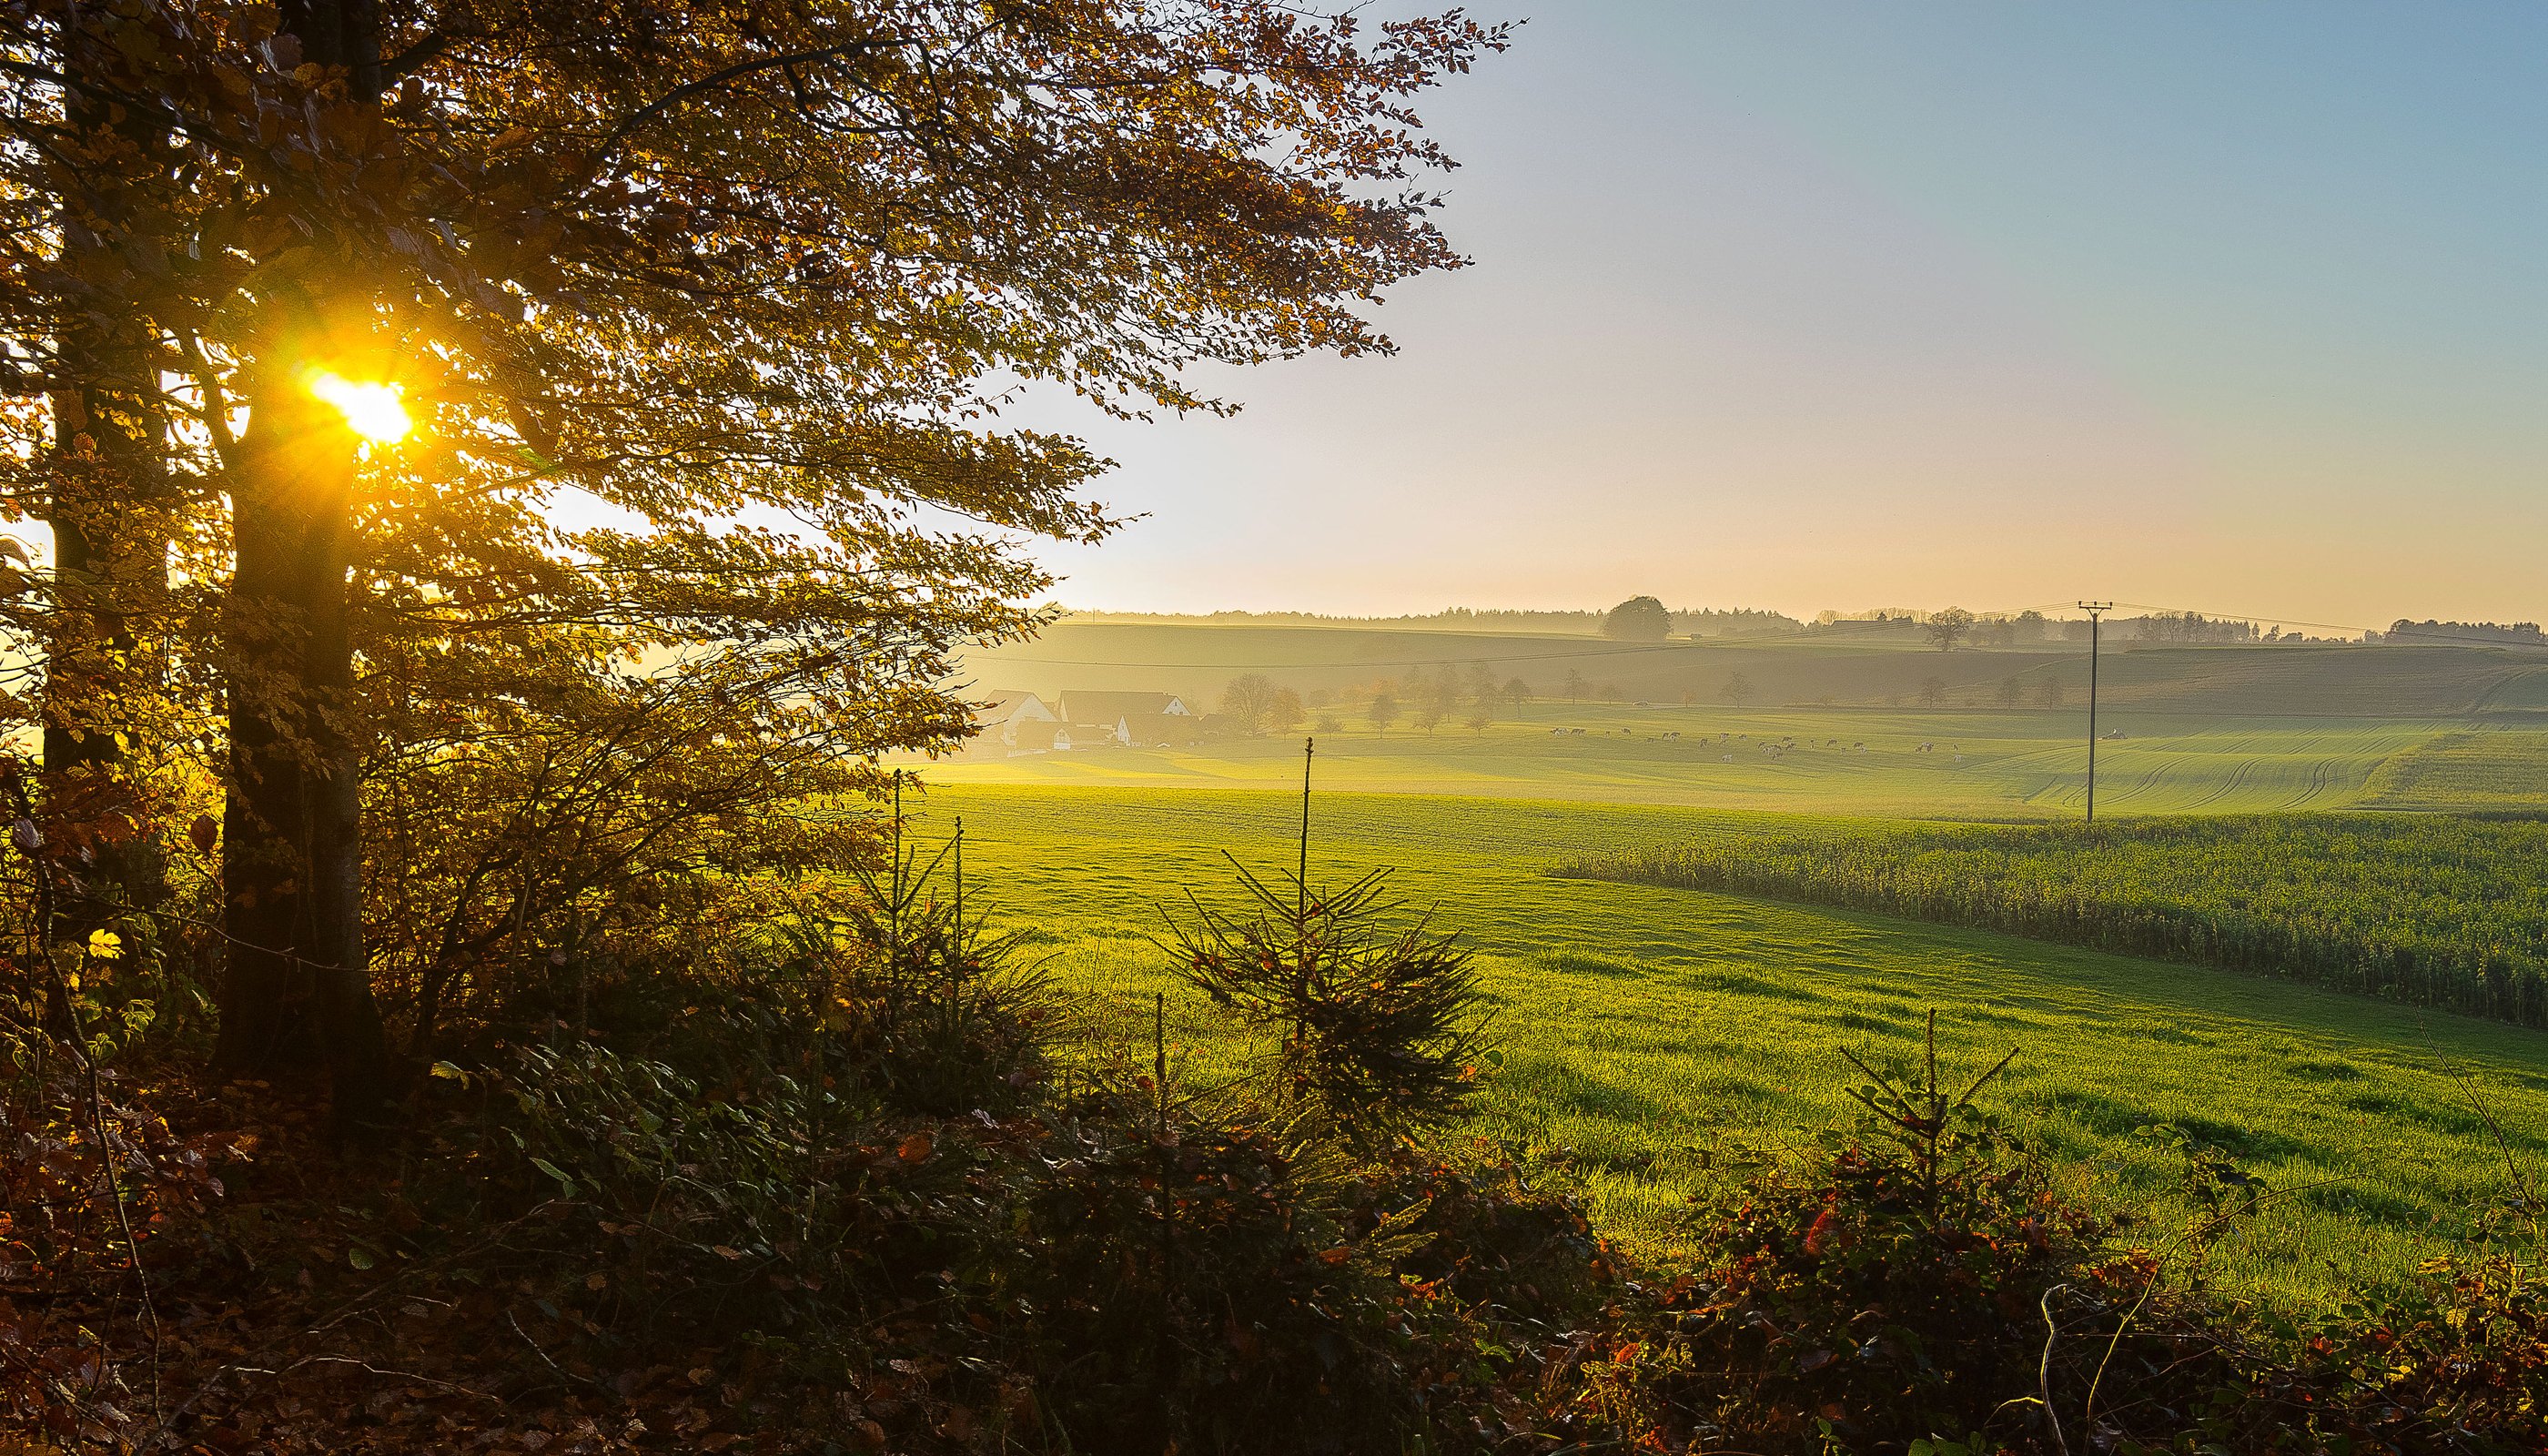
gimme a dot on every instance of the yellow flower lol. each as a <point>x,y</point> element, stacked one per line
<point>104,945</point>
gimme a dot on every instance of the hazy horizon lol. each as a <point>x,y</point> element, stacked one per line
<point>2230,309</point>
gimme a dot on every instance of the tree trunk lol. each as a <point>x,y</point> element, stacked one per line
<point>299,985</point>
<point>298,990</point>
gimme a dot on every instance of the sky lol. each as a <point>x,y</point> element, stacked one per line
<point>1804,304</point>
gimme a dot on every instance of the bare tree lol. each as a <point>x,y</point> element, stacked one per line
<point>1948,628</point>
<point>1738,690</point>
<point>1249,699</point>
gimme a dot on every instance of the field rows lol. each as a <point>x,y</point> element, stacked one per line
<point>2427,909</point>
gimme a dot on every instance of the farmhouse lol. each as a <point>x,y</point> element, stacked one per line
<point>999,718</point>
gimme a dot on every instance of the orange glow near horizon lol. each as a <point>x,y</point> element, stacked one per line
<point>371,411</point>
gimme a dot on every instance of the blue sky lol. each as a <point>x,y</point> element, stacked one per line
<point>2230,307</point>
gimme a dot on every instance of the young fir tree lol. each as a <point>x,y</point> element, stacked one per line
<point>1372,1020</point>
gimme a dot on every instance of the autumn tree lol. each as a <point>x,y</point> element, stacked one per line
<point>751,281</point>
<point>1638,619</point>
<point>1284,711</point>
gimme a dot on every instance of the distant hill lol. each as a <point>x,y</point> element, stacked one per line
<point>1197,660</point>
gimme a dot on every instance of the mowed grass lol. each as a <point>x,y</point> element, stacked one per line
<point>2017,764</point>
<point>1657,1038</point>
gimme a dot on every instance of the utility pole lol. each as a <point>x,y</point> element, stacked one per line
<point>2096,611</point>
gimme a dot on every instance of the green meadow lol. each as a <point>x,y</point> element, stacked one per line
<point>1965,763</point>
<point>1655,1040</point>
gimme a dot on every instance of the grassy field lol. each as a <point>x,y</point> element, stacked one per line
<point>2022,763</point>
<point>1656,1037</point>
<point>2428,909</point>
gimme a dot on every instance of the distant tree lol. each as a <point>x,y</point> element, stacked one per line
<point>2030,625</point>
<point>1517,690</point>
<point>2049,695</point>
<point>1328,723</point>
<point>1576,685</point>
<point>1285,712</point>
<point>1608,693</point>
<point>1478,718</point>
<point>1429,715</point>
<point>1251,699</point>
<point>2010,693</point>
<point>1948,628</point>
<point>1638,619</point>
<point>1383,710</point>
<point>1442,694</point>
<point>1738,690</point>
<point>1933,692</point>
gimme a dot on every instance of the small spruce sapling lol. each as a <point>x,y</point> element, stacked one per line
<point>1373,1022</point>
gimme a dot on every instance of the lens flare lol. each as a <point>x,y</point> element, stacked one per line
<point>371,411</point>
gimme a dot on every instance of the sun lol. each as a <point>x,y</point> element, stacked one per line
<point>371,411</point>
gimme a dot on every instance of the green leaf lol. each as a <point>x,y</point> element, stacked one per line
<point>360,1258</point>
<point>566,1185</point>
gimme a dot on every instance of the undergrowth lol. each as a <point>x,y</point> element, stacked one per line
<point>862,1184</point>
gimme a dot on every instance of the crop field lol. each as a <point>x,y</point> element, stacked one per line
<point>1989,764</point>
<point>2428,909</point>
<point>1656,1039</point>
<point>2480,770</point>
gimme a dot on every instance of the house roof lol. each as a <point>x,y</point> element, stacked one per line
<point>1109,707</point>
<point>1005,703</point>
